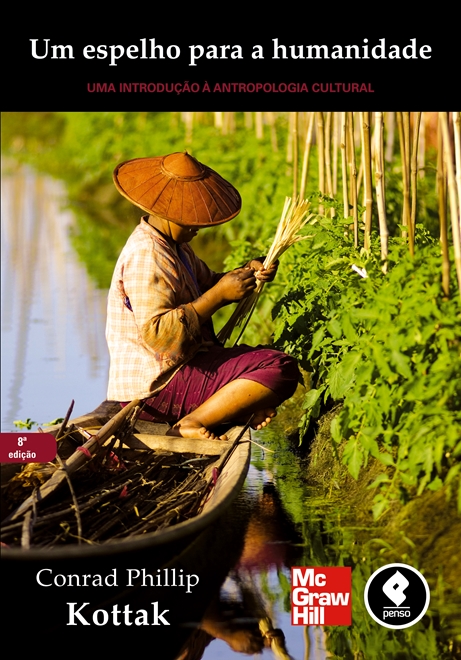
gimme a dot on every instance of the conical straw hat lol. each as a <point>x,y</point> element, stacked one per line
<point>178,188</point>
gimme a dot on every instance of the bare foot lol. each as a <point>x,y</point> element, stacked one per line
<point>191,429</point>
<point>262,418</point>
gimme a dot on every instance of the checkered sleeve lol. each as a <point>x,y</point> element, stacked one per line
<point>167,324</point>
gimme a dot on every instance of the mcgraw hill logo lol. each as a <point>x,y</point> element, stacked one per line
<point>397,596</point>
<point>321,596</point>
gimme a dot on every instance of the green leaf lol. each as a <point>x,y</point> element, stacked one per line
<point>353,457</point>
<point>58,420</point>
<point>379,508</point>
<point>382,478</point>
<point>27,424</point>
<point>335,429</point>
<point>342,376</point>
<point>384,458</point>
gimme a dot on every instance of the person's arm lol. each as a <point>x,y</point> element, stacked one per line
<point>231,287</point>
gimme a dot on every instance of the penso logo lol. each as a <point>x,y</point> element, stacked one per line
<point>397,596</point>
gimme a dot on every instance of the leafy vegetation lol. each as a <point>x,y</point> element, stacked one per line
<point>385,346</point>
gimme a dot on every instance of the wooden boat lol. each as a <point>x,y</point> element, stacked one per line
<point>205,546</point>
<point>226,475</point>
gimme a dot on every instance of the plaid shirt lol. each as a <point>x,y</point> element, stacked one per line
<point>152,329</point>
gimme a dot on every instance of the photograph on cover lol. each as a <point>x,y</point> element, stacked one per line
<point>306,268</point>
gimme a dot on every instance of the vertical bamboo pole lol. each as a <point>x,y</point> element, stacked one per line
<point>402,123</point>
<point>248,120</point>
<point>442,200</point>
<point>295,155</point>
<point>379,179</point>
<point>259,125</point>
<point>344,163</point>
<point>289,156</point>
<point>353,176</point>
<point>273,130</point>
<point>368,185</point>
<point>406,185</point>
<point>414,175</point>
<point>336,130</point>
<point>329,179</point>
<point>218,119</point>
<point>307,148</point>
<point>189,121</point>
<point>422,147</point>
<point>390,125</point>
<point>321,155</point>
<point>454,209</point>
<point>457,135</point>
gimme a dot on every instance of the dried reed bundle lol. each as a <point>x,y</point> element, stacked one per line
<point>294,218</point>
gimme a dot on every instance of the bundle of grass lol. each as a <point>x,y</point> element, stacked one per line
<point>294,218</point>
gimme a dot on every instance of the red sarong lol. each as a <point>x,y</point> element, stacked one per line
<point>209,371</point>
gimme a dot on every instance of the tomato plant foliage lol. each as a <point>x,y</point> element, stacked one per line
<point>386,346</point>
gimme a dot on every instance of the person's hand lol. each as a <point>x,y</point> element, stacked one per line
<point>263,274</point>
<point>236,284</point>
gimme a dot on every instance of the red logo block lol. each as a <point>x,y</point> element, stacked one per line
<point>321,596</point>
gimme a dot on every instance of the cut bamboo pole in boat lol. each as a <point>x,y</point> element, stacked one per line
<point>176,444</point>
<point>76,460</point>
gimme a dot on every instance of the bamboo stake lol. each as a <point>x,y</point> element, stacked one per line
<point>406,187</point>
<point>457,133</point>
<point>329,180</point>
<point>321,156</point>
<point>295,154</point>
<point>454,209</point>
<point>259,125</point>
<point>390,125</point>
<point>344,163</point>
<point>307,149</point>
<point>414,176</point>
<point>442,200</point>
<point>379,182</point>
<point>353,177</point>
<point>189,121</point>
<point>422,147</point>
<point>76,460</point>
<point>336,130</point>
<point>368,185</point>
<point>273,130</point>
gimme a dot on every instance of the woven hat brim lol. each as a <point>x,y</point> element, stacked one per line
<point>202,200</point>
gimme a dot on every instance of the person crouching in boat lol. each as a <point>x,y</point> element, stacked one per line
<point>162,346</point>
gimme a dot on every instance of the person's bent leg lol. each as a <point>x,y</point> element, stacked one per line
<point>234,402</point>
